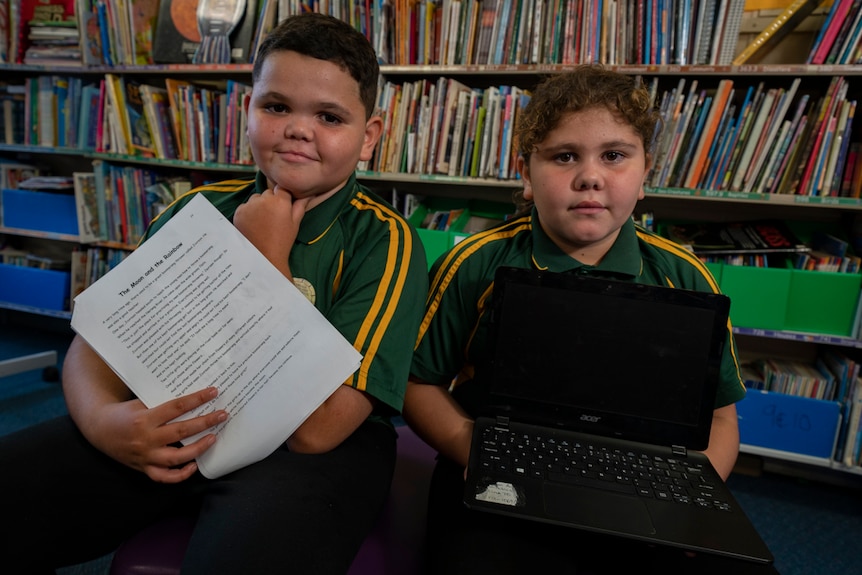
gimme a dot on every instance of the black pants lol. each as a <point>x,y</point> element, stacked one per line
<point>461,541</point>
<point>63,502</point>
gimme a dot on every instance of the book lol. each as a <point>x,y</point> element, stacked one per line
<point>830,31</point>
<point>843,33</point>
<point>720,100</point>
<point>852,43</point>
<point>730,32</point>
<point>854,428</point>
<point>87,203</point>
<point>774,123</point>
<point>12,116</point>
<point>176,36</point>
<point>760,121</point>
<point>174,89</point>
<point>158,116</point>
<point>756,236</point>
<point>836,94</point>
<point>143,24</point>
<point>118,118</point>
<point>78,273</point>
<point>447,125</point>
<point>270,379</point>
<point>91,36</point>
<point>139,129</point>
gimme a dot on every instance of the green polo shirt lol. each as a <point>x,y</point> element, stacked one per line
<point>453,333</point>
<point>362,266</point>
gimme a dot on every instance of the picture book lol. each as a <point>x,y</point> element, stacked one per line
<point>176,36</point>
<point>87,202</point>
<point>143,24</point>
<point>158,115</point>
<point>90,35</point>
<point>764,236</point>
<point>139,130</point>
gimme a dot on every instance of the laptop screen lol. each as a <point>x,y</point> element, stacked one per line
<point>628,360</point>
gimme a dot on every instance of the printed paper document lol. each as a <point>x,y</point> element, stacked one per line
<point>197,305</point>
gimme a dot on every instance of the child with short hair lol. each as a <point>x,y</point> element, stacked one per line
<point>585,150</point>
<point>80,485</point>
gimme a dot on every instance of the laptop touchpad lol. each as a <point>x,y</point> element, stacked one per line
<point>597,509</point>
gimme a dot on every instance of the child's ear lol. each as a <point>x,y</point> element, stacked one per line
<point>246,99</point>
<point>524,170</point>
<point>373,129</point>
<point>647,168</point>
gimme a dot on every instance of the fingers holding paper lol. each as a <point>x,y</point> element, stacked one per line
<point>148,439</point>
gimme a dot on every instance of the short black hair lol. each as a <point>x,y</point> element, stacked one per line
<point>325,38</point>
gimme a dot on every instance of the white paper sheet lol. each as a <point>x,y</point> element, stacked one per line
<point>197,305</point>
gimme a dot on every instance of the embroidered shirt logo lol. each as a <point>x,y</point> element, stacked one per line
<point>304,286</point>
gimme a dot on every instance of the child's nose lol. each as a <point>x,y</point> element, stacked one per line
<point>297,127</point>
<point>587,177</point>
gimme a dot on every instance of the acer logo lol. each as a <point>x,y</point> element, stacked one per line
<point>590,418</point>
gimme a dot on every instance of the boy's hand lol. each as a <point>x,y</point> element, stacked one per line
<point>270,221</point>
<point>144,439</point>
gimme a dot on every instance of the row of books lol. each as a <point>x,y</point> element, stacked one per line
<point>116,203</point>
<point>775,140</point>
<point>146,32</point>
<point>456,32</point>
<point>178,120</point>
<point>810,261</point>
<point>445,127</point>
<point>88,264</point>
<point>839,40</point>
<point>449,32</point>
<point>109,32</point>
<point>823,262</point>
<point>14,257</point>
<point>764,243</point>
<point>771,140</point>
<point>49,110</point>
<point>831,376</point>
<point>794,377</point>
<point>849,394</point>
<point>850,436</point>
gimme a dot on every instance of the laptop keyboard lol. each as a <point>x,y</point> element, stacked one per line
<point>579,463</point>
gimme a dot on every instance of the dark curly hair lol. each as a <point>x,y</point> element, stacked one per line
<point>586,86</point>
<point>325,38</point>
<point>583,87</point>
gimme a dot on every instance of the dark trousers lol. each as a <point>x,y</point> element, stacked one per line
<point>63,502</point>
<point>461,541</point>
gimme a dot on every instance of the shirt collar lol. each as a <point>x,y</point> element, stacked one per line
<point>623,259</point>
<point>316,221</point>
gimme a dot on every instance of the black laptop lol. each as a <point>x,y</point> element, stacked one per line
<point>600,393</point>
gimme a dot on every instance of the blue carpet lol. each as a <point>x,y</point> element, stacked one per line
<point>811,527</point>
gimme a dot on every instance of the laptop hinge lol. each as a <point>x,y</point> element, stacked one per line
<point>678,450</point>
<point>502,422</point>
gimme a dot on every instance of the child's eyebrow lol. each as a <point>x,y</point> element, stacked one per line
<point>326,106</point>
<point>575,145</point>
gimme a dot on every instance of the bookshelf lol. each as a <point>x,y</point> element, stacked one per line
<point>403,66</point>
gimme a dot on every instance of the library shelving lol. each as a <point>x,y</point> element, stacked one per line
<point>409,161</point>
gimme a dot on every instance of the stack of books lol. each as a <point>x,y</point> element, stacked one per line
<point>53,43</point>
